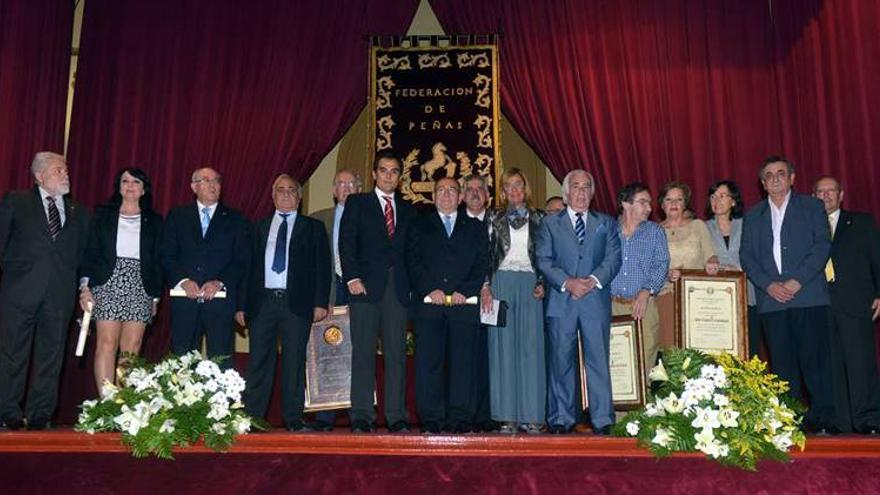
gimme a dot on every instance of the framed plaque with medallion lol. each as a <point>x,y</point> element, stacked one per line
<point>628,387</point>
<point>710,312</point>
<point>328,363</point>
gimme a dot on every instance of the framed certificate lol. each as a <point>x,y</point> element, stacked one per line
<point>628,387</point>
<point>710,312</point>
<point>328,363</point>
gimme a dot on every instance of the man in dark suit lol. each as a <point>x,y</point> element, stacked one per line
<point>785,244</point>
<point>853,274</point>
<point>475,200</point>
<point>371,248</point>
<point>287,290</point>
<point>578,252</point>
<point>43,235</point>
<point>205,250</point>
<point>345,182</point>
<point>448,259</point>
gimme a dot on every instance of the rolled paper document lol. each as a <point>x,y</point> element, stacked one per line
<point>178,292</point>
<point>474,300</point>
<point>84,330</point>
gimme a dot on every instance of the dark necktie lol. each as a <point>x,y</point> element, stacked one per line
<point>579,228</point>
<point>54,218</point>
<point>389,217</point>
<point>280,260</point>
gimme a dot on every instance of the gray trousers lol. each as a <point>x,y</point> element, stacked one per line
<point>368,322</point>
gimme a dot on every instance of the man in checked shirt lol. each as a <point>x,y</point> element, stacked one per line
<point>645,257</point>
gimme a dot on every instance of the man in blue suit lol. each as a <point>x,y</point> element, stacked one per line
<point>578,252</point>
<point>786,242</point>
<point>205,250</point>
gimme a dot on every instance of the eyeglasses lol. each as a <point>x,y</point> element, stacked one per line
<point>345,183</point>
<point>447,190</point>
<point>206,180</point>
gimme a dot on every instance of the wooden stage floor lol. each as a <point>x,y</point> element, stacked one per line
<point>342,442</point>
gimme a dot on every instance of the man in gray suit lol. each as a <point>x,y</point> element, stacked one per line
<point>43,235</point>
<point>578,252</point>
<point>345,182</point>
<point>785,246</point>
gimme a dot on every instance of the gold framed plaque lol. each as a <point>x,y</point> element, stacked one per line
<point>710,312</point>
<point>328,363</point>
<point>628,386</point>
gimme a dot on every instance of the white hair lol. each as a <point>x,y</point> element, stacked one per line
<point>195,175</point>
<point>567,179</point>
<point>41,161</point>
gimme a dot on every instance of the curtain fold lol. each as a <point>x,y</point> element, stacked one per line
<point>250,88</point>
<point>656,90</point>
<point>35,40</point>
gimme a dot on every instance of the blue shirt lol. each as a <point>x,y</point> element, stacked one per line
<point>337,219</point>
<point>645,261</point>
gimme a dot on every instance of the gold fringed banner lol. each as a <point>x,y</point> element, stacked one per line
<point>436,107</point>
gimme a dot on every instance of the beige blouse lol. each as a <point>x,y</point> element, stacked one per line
<point>690,246</point>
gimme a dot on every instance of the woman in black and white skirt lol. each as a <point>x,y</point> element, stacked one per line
<point>121,271</point>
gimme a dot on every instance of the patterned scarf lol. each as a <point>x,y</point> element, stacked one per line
<point>517,217</point>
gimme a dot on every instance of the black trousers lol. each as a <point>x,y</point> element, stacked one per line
<point>798,342</point>
<point>480,387</point>
<point>854,370</point>
<point>276,322</point>
<point>446,357</point>
<point>368,322</point>
<point>191,319</point>
<point>41,327</point>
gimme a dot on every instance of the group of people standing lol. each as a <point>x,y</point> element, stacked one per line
<point>814,290</point>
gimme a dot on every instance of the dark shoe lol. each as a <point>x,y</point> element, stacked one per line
<point>321,426</point>
<point>603,431</point>
<point>39,424</point>
<point>361,426</point>
<point>558,430</point>
<point>869,429</point>
<point>11,424</point>
<point>298,427</point>
<point>821,429</point>
<point>399,427</point>
<point>487,427</point>
<point>582,428</point>
<point>462,428</point>
<point>430,428</point>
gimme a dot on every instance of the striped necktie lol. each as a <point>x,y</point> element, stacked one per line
<point>579,228</point>
<point>54,217</point>
<point>389,217</point>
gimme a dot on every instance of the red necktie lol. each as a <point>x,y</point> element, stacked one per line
<point>389,217</point>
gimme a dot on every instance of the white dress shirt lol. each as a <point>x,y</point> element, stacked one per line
<point>59,203</point>
<point>777,216</point>
<point>832,221</point>
<point>277,280</point>
<point>381,195</point>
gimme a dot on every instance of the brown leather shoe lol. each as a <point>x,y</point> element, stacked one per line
<point>582,428</point>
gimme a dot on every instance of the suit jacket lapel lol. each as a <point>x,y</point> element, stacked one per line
<point>39,211</point>
<point>298,229</point>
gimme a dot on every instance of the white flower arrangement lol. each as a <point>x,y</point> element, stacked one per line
<point>731,410</point>
<point>173,403</point>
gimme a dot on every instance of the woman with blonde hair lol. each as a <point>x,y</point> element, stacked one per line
<point>517,373</point>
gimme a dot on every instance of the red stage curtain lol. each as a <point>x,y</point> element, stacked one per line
<point>251,88</point>
<point>689,90</point>
<point>828,75</point>
<point>35,39</point>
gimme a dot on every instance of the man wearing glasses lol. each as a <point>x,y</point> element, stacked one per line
<point>345,183</point>
<point>645,261</point>
<point>785,247</point>
<point>205,252</point>
<point>372,241</point>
